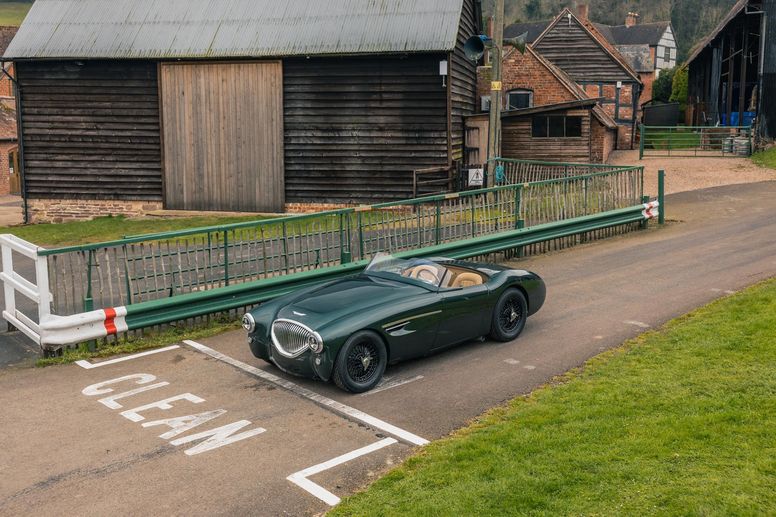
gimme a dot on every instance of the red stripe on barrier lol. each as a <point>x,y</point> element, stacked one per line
<point>110,325</point>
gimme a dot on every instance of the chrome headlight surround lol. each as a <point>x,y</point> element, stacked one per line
<point>313,341</point>
<point>248,323</point>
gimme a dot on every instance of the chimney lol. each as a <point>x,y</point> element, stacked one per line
<point>632,19</point>
<point>583,11</point>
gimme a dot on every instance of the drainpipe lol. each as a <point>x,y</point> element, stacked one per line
<point>19,139</point>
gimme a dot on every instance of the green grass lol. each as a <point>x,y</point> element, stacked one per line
<point>109,228</point>
<point>766,158</point>
<point>672,139</point>
<point>13,13</point>
<point>676,422</point>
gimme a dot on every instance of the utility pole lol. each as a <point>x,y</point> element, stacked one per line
<point>494,128</point>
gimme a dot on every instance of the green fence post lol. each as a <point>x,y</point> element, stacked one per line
<point>641,143</point>
<point>345,255</point>
<point>518,198</point>
<point>361,246</point>
<point>520,226</point>
<point>88,300</point>
<point>226,257</point>
<point>438,222</point>
<point>285,246</point>
<point>645,222</point>
<point>661,196</point>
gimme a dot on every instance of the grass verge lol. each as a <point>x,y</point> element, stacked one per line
<point>765,158</point>
<point>111,228</point>
<point>134,345</point>
<point>676,422</point>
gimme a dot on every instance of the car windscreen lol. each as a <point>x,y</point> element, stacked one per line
<point>414,271</point>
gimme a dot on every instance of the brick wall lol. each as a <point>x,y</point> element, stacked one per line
<point>528,72</point>
<point>602,142</point>
<point>5,169</point>
<point>61,210</point>
<point>6,86</point>
<point>648,78</point>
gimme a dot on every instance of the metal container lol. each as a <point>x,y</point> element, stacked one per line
<point>742,146</point>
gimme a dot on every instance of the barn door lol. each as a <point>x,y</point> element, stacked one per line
<point>223,136</point>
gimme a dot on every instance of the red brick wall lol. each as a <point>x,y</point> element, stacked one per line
<point>526,71</point>
<point>5,170</point>
<point>6,86</point>
<point>602,142</point>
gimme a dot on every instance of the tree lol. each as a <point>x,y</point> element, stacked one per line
<point>661,88</point>
<point>679,88</point>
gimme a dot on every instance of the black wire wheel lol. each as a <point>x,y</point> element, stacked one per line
<point>509,316</point>
<point>360,363</point>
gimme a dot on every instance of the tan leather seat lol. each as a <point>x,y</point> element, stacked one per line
<point>467,280</point>
<point>425,273</point>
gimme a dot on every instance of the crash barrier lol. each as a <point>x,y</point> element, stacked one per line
<point>159,275</point>
<point>57,331</point>
<point>692,141</point>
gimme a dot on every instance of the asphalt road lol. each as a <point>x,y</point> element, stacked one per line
<point>66,452</point>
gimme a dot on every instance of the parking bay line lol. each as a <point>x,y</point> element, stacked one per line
<point>300,478</point>
<point>89,366</point>
<point>338,407</point>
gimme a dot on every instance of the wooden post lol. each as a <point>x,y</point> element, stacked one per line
<point>742,78</point>
<point>731,62</point>
<point>494,130</point>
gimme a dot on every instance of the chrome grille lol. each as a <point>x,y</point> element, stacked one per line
<point>290,337</point>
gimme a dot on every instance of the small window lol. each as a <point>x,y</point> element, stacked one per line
<point>556,126</point>
<point>485,103</point>
<point>519,99</point>
<point>539,127</point>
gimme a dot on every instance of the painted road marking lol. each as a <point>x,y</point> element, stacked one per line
<point>637,323</point>
<point>338,407</point>
<point>391,383</point>
<point>210,439</point>
<point>300,478</point>
<point>512,361</point>
<point>89,366</point>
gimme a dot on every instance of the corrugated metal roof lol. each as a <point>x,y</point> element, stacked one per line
<point>134,29</point>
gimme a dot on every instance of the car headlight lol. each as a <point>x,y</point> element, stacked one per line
<point>248,322</point>
<point>315,343</point>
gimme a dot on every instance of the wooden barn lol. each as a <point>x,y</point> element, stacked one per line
<point>239,105</point>
<point>732,71</point>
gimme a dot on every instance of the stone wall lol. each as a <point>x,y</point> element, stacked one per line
<point>63,210</point>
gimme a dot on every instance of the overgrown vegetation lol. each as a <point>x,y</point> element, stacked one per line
<point>766,158</point>
<point>663,86</point>
<point>676,422</point>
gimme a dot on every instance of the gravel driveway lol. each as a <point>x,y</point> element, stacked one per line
<point>683,174</point>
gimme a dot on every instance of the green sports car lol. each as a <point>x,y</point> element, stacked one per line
<point>350,329</point>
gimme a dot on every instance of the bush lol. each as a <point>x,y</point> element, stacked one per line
<point>679,88</point>
<point>661,89</point>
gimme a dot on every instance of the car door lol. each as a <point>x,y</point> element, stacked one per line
<point>465,314</point>
<point>412,331</point>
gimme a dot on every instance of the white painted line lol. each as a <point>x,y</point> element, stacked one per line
<point>512,361</point>
<point>529,367</point>
<point>338,407</point>
<point>300,478</point>
<point>391,384</point>
<point>637,324</point>
<point>89,366</point>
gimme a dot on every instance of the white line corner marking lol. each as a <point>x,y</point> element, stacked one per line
<point>89,366</point>
<point>300,478</point>
<point>338,407</point>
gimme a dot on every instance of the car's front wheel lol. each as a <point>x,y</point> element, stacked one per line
<point>509,316</point>
<point>360,363</point>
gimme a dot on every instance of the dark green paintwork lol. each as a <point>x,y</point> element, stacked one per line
<point>437,318</point>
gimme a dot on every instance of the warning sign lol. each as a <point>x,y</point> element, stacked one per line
<point>476,177</point>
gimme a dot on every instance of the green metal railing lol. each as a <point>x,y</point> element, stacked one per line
<point>527,171</point>
<point>692,141</point>
<point>143,268</point>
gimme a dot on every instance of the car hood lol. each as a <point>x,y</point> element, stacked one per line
<point>339,299</point>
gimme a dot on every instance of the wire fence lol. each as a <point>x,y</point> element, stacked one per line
<point>149,267</point>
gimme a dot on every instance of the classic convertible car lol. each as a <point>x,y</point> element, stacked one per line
<point>350,329</point>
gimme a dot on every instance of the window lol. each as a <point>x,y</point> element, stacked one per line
<point>485,103</point>
<point>519,99</point>
<point>556,126</point>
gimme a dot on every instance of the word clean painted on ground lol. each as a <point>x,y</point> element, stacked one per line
<point>174,426</point>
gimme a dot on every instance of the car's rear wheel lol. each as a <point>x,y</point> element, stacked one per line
<point>360,363</point>
<point>509,316</point>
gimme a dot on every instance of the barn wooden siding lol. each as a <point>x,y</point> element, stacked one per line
<point>223,136</point>
<point>573,50</point>
<point>91,130</point>
<point>463,79</point>
<point>517,142</point>
<point>356,127</point>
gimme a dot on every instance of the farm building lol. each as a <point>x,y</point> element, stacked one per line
<point>9,177</point>
<point>732,72</point>
<point>575,45</point>
<point>243,105</point>
<point>547,115</point>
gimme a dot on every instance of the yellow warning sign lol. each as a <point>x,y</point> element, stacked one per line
<point>495,86</point>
